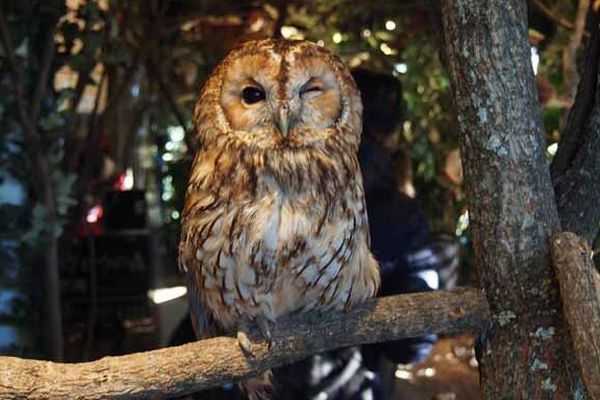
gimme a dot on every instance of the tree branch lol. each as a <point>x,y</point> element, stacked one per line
<point>570,51</point>
<point>189,138</point>
<point>97,128</point>
<point>29,130</point>
<point>572,259</point>
<point>196,366</point>
<point>541,7</point>
<point>576,166</point>
<point>42,82</point>
<point>45,195</point>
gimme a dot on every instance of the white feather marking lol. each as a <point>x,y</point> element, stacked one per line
<point>244,291</point>
<point>229,280</point>
<point>228,298</point>
<point>246,275</point>
<point>271,233</point>
<point>226,262</point>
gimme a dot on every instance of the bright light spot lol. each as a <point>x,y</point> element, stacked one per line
<point>403,374</point>
<point>463,223</point>
<point>535,60</point>
<point>401,68</point>
<point>169,146</point>
<point>390,25</point>
<point>135,90</point>
<point>386,49</point>
<point>94,214</point>
<point>166,196</point>
<point>366,32</point>
<point>162,295</point>
<point>431,278</point>
<point>291,32</point>
<point>176,133</point>
<point>428,372</point>
<point>552,149</point>
<point>257,25</point>
<point>175,215</point>
<point>128,180</point>
<point>167,157</point>
<point>321,43</point>
<point>287,31</point>
<point>321,396</point>
<point>337,38</point>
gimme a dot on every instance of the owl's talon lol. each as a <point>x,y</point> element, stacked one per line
<point>265,330</point>
<point>244,343</point>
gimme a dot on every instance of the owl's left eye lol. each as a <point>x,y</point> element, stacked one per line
<point>311,89</point>
<point>252,94</point>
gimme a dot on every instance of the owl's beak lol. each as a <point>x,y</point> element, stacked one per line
<point>284,121</point>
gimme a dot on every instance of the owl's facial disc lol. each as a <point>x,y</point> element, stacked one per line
<point>281,95</point>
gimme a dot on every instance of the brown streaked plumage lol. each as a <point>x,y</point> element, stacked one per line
<point>274,220</point>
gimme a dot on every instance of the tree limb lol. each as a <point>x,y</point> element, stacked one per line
<point>46,62</point>
<point>192,367</point>
<point>29,130</point>
<point>570,51</point>
<point>572,259</point>
<point>576,166</point>
<point>45,195</point>
<point>541,7</point>
<point>189,138</point>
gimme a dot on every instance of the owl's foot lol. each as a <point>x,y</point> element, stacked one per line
<point>264,327</point>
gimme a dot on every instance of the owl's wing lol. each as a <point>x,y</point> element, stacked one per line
<point>197,204</point>
<point>203,322</point>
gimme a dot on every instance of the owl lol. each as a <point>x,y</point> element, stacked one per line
<point>274,220</point>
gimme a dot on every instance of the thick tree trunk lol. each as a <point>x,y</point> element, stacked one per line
<point>526,353</point>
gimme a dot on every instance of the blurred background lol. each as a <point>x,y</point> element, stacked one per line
<point>96,140</point>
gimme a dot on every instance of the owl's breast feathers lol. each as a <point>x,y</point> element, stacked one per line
<point>270,232</point>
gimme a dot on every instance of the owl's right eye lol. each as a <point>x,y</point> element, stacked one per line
<point>252,94</point>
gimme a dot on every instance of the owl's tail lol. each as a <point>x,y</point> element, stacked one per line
<point>258,387</point>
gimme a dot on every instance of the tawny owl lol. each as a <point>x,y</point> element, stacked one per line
<point>274,220</point>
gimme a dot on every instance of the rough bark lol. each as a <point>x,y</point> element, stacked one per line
<point>576,166</point>
<point>192,367</point>
<point>572,259</point>
<point>526,352</point>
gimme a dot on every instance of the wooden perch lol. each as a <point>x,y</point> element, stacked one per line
<point>180,370</point>
<point>577,277</point>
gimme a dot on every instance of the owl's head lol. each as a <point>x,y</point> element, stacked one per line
<point>280,93</point>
